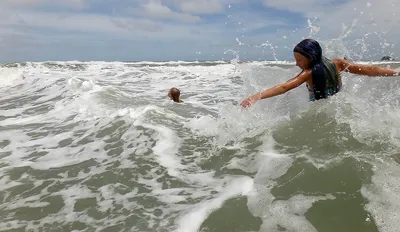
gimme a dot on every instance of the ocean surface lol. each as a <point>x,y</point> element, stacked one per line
<point>97,146</point>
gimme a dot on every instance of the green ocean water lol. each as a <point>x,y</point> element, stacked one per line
<point>98,147</point>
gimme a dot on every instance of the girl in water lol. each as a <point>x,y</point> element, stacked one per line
<point>321,75</point>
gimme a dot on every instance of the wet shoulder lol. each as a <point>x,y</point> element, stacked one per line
<point>341,64</point>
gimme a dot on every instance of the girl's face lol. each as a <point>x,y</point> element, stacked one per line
<point>301,61</point>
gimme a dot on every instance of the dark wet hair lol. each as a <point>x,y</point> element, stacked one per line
<point>175,93</point>
<point>313,51</point>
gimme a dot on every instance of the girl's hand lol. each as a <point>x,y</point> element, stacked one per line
<point>248,102</point>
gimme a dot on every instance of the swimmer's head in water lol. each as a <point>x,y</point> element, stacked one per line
<point>174,94</point>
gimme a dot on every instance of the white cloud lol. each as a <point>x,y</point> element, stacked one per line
<point>295,5</point>
<point>119,27</point>
<point>74,4</point>
<point>155,9</point>
<point>247,21</point>
<point>201,7</point>
<point>133,25</point>
<point>55,21</point>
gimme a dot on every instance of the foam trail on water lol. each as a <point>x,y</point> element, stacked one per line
<point>383,196</point>
<point>166,147</point>
<point>193,219</point>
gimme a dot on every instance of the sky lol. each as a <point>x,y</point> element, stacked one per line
<point>170,30</point>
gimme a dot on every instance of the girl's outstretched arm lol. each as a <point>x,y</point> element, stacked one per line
<point>278,89</point>
<point>367,70</point>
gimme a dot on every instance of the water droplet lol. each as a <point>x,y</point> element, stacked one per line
<point>368,4</point>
